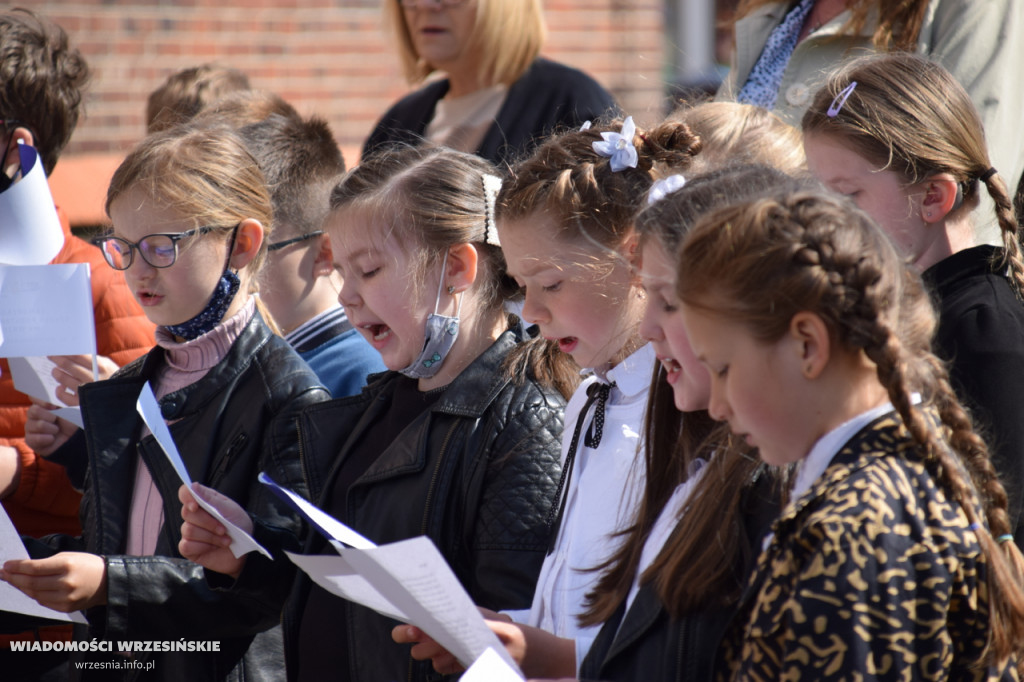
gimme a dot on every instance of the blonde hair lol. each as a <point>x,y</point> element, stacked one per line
<point>204,174</point>
<point>732,133</point>
<point>509,35</point>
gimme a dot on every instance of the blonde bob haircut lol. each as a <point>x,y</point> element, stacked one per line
<point>508,35</point>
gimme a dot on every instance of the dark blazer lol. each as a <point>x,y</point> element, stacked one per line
<point>646,643</point>
<point>231,424</point>
<point>981,335</point>
<point>872,573</point>
<point>548,96</point>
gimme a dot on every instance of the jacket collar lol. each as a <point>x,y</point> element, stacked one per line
<point>476,387</point>
<point>850,459</point>
<point>194,397</point>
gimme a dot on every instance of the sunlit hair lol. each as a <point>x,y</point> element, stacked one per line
<point>701,563</point>
<point>204,175</point>
<point>732,134</point>
<point>187,92</point>
<point>301,161</point>
<point>509,35</point>
<point>42,79</point>
<point>244,108</point>
<point>898,23</point>
<point>909,115</point>
<point>761,262</point>
<point>566,179</point>
<point>429,199</point>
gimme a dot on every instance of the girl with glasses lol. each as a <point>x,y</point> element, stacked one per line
<point>191,217</point>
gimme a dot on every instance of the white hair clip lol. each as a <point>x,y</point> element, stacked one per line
<point>618,148</point>
<point>492,185</point>
<point>586,126</point>
<point>662,188</point>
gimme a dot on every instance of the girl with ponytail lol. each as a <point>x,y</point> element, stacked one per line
<point>900,136</point>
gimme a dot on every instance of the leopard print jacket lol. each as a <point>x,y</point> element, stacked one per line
<point>872,574</point>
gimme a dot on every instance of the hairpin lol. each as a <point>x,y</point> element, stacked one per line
<point>662,188</point>
<point>492,185</point>
<point>618,148</point>
<point>586,126</point>
<point>840,100</point>
<point>984,177</point>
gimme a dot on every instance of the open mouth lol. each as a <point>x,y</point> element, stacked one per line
<point>379,332</point>
<point>670,365</point>
<point>567,344</point>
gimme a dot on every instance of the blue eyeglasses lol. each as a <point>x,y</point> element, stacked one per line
<point>160,250</point>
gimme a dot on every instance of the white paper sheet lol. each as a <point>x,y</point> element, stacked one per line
<point>414,576</point>
<point>46,310</point>
<point>411,582</point>
<point>34,377</point>
<point>149,409</point>
<point>335,531</point>
<point>30,231</point>
<point>491,667</point>
<point>336,575</point>
<point>11,598</point>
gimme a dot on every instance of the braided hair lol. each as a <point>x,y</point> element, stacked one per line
<point>763,261</point>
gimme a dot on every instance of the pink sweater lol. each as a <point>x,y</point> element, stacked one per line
<point>185,363</point>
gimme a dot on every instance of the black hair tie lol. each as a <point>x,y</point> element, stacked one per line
<point>984,177</point>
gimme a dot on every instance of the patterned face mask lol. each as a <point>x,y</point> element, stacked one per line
<point>211,315</point>
<point>441,332</point>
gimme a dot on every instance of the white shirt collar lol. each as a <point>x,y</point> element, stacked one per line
<point>828,446</point>
<point>632,376</point>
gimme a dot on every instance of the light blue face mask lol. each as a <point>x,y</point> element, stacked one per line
<point>441,332</point>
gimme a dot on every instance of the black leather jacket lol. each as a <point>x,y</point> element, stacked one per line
<point>228,426</point>
<point>476,473</point>
<point>650,644</point>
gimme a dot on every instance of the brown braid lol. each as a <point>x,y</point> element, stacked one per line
<point>1009,226</point>
<point>816,253</point>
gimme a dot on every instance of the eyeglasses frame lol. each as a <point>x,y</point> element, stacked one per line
<point>175,237</point>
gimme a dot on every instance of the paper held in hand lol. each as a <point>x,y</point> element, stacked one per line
<point>11,598</point>
<point>149,409</point>
<point>408,581</point>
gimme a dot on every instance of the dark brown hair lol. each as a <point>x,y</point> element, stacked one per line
<point>701,561</point>
<point>42,80</point>
<point>899,21</point>
<point>908,114</point>
<point>759,263</point>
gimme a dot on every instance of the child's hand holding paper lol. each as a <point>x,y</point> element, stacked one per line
<point>204,539</point>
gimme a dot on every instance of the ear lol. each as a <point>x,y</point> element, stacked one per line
<point>323,262</point>
<point>461,271</point>
<point>11,160</point>
<point>940,197</point>
<point>812,342</point>
<point>248,240</point>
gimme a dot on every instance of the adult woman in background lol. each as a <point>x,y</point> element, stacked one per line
<point>499,96</point>
<point>785,49</point>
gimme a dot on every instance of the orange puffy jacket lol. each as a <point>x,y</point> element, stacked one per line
<point>44,501</point>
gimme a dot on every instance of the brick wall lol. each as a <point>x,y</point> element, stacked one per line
<point>329,58</point>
